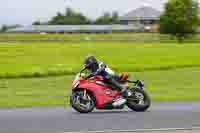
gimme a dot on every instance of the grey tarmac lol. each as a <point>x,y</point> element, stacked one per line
<point>60,119</point>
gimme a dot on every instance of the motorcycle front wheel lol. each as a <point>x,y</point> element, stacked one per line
<point>139,101</point>
<point>82,102</point>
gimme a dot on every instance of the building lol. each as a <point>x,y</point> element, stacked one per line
<point>145,16</point>
<point>74,29</point>
<point>142,19</point>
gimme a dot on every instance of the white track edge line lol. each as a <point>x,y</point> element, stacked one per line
<point>137,130</point>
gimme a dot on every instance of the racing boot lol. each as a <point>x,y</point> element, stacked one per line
<point>122,100</point>
<point>124,93</point>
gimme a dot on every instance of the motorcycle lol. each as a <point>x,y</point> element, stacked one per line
<point>94,92</point>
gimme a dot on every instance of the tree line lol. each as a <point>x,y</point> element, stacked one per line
<point>71,17</point>
<point>5,27</point>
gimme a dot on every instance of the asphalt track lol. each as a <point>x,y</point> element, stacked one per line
<point>60,119</point>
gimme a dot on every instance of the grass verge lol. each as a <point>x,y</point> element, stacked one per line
<point>163,86</point>
<point>53,59</point>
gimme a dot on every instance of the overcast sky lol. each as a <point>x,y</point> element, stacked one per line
<point>26,11</point>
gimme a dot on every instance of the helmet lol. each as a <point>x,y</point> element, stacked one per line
<point>90,62</point>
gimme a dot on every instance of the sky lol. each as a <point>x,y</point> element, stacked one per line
<point>24,12</point>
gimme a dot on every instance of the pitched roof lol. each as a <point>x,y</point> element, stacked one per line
<point>142,13</point>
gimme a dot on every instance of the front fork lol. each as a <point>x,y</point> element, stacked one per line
<point>140,84</point>
<point>84,95</point>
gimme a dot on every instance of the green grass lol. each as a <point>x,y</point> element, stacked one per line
<point>82,37</point>
<point>136,37</point>
<point>171,70</point>
<point>173,85</point>
<point>34,92</point>
<point>50,59</point>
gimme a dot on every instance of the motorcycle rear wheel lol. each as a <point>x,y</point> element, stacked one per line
<point>82,106</point>
<point>135,102</point>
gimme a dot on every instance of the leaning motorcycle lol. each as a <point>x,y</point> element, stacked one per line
<point>90,93</point>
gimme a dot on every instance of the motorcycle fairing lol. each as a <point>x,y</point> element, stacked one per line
<point>103,93</point>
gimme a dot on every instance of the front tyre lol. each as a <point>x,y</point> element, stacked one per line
<point>82,101</point>
<point>139,101</point>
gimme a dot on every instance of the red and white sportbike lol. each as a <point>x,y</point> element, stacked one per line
<point>90,93</point>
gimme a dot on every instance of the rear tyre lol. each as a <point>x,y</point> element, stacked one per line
<point>140,101</point>
<point>81,104</point>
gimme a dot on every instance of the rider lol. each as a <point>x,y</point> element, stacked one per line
<point>99,68</point>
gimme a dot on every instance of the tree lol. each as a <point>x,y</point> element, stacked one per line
<point>180,19</point>
<point>108,18</point>
<point>115,18</point>
<point>58,19</point>
<point>36,23</point>
<point>105,19</point>
<point>4,28</point>
<point>70,17</point>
